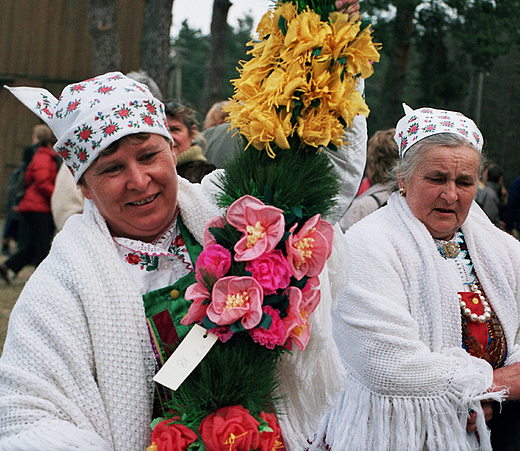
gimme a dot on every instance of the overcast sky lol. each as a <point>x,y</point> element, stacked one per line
<point>198,13</point>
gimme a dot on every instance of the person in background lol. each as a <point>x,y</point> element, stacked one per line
<point>36,223</point>
<point>142,77</point>
<point>16,189</point>
<point>216,114</point>
<point>67,199</point>
<point>382,153</point>
<point>428,321</point>
<point>191,162</point>
<point>512,210</point>
<point>490,196</point>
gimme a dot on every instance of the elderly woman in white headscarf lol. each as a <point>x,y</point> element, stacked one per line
<point>428,322</point>
<point>86,336</point>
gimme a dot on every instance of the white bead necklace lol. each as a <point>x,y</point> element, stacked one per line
<point>451,249</point>
<point>485,305</point>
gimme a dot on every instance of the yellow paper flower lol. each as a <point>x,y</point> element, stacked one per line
<point>300,81</point>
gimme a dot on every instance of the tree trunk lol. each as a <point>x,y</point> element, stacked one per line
<point>105,37</point>
<point>395,77</point>
<point>216,67</point>
<point>155,43</point>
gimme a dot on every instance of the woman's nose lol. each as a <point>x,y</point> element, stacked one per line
<point>137,178</point>
<point>449,193</point>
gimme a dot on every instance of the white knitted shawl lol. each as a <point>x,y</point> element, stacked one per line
<point>77,366</point>
<point>410,383</point>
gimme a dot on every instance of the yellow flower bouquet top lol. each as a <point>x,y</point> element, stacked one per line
<point>300,82</point>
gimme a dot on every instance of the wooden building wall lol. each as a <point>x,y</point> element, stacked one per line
<point>46,43</point>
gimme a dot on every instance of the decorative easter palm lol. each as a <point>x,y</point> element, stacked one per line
<point>257,277</point>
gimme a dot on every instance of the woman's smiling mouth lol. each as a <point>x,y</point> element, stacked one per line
<point>144,201</point>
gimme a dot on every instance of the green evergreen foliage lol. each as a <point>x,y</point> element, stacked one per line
<point>321,7</point>
<point>218,381</point>
<point>302,182</point>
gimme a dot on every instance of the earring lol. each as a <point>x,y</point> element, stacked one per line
<point>402,192</point>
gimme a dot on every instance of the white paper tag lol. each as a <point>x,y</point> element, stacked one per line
<point>186,357</point>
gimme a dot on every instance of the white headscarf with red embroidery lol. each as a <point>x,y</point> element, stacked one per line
<point>92,114</point>
<point>424,122</point>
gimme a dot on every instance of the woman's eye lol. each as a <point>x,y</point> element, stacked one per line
<point>149,156</point>
<point>110,170</point>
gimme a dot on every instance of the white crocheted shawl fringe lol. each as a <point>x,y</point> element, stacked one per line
<point>310,381</point>
<point>365,420</point>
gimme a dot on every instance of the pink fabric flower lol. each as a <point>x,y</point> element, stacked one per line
<point>197,311</point>
<point>235,298</point>
<point>222,332</point>
<point>312,282</point>
<point>271,271</point>
<point>301,305</point>
<point>309,249</point>
<point>262,226</point>
<point>215,221</point>
<point>212,264</point>
<point>275,335</point>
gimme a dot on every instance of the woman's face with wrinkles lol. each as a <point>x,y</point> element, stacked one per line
<point>441,189</point>
<point>135,188</point>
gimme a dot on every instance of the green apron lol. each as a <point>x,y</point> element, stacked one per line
<point>164,309</point>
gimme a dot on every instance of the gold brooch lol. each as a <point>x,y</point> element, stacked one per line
<point>450,249</point>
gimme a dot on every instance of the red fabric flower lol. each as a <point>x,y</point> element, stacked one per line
<point>172,437</point>
<point>271,441</point>
<point>179,241</point>
<point>197,311</point>
<point>230,429</point>
<point>212,264</point>
<point>301,305</point>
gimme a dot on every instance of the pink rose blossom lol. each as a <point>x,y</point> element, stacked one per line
<point>263,226</point>
<point>197,311</point>
<point>222,332</point>
<point>215,221</point>
<point>309,249</point>
<point>296,322</point>
<point>235,298</point>
<point>212,264</point>
<point>275,335</point>
<point>271,271</point>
